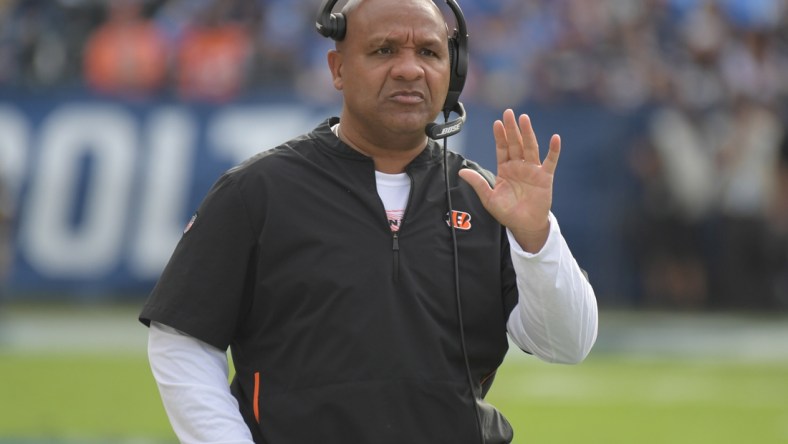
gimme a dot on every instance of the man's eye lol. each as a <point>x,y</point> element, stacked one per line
<point>428,53</point>
<point>384,51</point>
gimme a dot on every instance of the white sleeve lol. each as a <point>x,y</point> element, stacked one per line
<point>556,314</point>
<point>193,382</point>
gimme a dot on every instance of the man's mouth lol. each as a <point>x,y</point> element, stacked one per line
<point>407,97</point>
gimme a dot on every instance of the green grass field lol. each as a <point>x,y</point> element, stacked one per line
<point>611,399</point>
<point>99,395</point>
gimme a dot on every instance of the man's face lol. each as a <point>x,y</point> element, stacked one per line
<point>393,66</point>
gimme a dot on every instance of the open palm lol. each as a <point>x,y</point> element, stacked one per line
<point>523,192</point>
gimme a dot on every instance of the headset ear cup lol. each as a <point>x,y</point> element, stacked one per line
<point>455,83</point>
<point>338,26</point>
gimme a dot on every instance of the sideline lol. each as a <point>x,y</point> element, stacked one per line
<point>114,329</point>
<point>729,336</point>
<point>72,328</point>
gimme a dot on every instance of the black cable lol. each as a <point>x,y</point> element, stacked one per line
<point>468,373</point>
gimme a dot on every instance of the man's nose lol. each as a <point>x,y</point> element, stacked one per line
<point>407,66</point>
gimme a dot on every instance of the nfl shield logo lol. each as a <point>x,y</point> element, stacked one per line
<point>190,224</point>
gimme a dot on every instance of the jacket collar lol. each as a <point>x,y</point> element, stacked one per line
<point>328,140</point>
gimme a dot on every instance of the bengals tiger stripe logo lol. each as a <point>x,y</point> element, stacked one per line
<point>460,219</point>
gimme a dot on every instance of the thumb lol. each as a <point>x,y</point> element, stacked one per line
<point>477,182</point>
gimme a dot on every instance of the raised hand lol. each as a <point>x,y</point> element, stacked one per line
<point>523,192</point>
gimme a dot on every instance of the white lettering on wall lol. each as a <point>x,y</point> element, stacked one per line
<point>107,191</point>
<point>238,133</point>
<point>165,190</point>
<point>107,136</point>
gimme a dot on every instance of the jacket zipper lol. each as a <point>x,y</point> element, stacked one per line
<point>395,234</point>
<point>395,249</point>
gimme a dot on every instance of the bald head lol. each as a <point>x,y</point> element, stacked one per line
<point>353,4</point>
<point>406,7</point>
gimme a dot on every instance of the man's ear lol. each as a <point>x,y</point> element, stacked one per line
<point>335,65</point>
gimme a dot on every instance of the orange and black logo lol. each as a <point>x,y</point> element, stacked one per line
<point>460,219</point>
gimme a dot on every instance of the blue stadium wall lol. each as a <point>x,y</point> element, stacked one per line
<point>104,188</point>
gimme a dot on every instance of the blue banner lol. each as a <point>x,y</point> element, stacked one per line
<point>103,189</point>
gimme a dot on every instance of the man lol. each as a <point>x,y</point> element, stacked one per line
<point>343,326</point>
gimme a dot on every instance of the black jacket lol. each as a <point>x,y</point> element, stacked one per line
<point>340,330</point>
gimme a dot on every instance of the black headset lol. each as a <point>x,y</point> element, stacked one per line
<point>334,26</point>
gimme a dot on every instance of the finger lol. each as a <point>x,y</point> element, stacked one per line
<point>514,138</point>
<point>530,144</point>
<point>551,161</point>
<point>477,182</point>
<point>501,150</point>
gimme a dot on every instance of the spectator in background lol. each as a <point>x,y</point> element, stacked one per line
<point>40,42</point>
<point>214,55</point>
<point>8,46</point>
<point>127,54</point>
<point>748,172</point>
<point>746,253</point>
<point>676,167</point>
<point>505,78</point>
<point>282,39</point>
<point>174,16</point>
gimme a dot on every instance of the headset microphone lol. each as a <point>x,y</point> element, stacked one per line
<point>443,130</point>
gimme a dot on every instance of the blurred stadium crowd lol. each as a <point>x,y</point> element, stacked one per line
<point>708,224</point>
<point>623,53</point>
